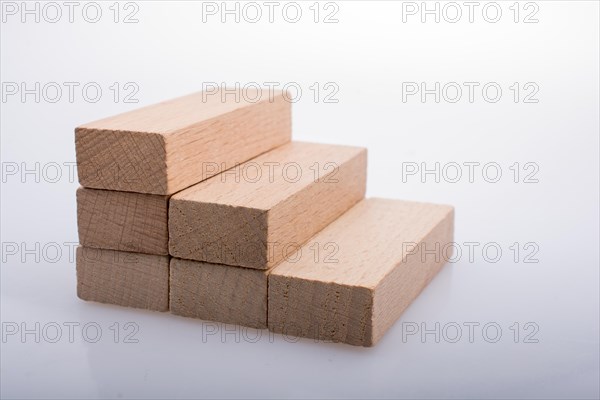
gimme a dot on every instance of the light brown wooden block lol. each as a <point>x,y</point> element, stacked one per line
<point>166,147</point>
<point>123,278</point>
<point>221,293</point>
<point>377,266</point>
<point>255,214</point>
<point>126,221</point>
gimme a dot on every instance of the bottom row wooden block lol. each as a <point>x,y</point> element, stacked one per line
<point>123,278</point>
<point>217,292</point>
<point>348,284</point>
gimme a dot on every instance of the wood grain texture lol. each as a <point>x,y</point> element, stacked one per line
<point>126,221</point>
<point>220,293</point>
<point>378,268</point>
<point>123,278</point>
<point>166,147</point>
<point>256,220</point>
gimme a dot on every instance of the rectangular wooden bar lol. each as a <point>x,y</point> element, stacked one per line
<point>256,214</point>
<point>217,292</point>
<point>126,221</point>
<point>166,147</point>
<point>123,278</point>
<point>382,254</point>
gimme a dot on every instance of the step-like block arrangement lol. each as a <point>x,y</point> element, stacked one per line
<point>126,221</point>
<point>202,206</point>
<point>123,278</point>
<point>386,251</point>
<point>217,292</point>
<point>257,213</point>
<point>166,147</point>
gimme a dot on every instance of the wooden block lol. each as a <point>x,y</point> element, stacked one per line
<point>127,221</point>
<point>257,213</point>
<point>166,147</point>
<point>221,293</point>
<point>376,266</point>
<point>123,278</point>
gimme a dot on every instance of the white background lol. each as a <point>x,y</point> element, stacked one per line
<point>368,54</point>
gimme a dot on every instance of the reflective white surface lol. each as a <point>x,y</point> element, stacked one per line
<point>368,55</point>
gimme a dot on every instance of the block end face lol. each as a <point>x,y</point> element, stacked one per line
<point>125,221</point>
<point>323,311</point>
<point>123,279</point>
<point>121,160</point>
<point>218,233</point>
<point>218,293</point>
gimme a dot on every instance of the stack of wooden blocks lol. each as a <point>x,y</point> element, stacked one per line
<point>204,207</point>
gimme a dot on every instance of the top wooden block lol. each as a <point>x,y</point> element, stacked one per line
<point>166,147</point>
